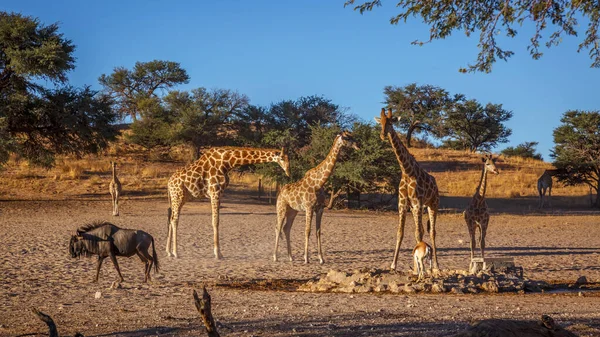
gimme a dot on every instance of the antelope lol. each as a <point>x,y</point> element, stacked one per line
<point>421,252</point>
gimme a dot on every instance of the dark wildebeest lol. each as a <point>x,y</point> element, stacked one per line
<point>107,240</point>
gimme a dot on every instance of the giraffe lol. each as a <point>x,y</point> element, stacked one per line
<point>417,189</point>
<point>115,189</point>
<point>208,177</point>
<point>307,195</point>
<point>476,214</point>
<point>545,183</point>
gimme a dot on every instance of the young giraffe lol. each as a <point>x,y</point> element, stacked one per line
<point>476,214</point>
<point>417,189</point>
<point>545,183</point>
<point>307,194</point>
<point>115,189</point>
<point>208,177</point>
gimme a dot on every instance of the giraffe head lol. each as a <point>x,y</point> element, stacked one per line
<point>386,121</point>
<point>490,163</point>
<point>347,140</point>
<point>282,159</point>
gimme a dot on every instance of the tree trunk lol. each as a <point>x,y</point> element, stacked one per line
<point>332,198</point>
<point>598,196</point>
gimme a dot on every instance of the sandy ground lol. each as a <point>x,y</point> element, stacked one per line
<point>36,270</point>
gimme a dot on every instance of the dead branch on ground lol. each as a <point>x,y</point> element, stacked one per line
<point>204,308</point>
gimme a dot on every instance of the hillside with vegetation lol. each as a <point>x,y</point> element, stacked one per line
<point>144,174</point>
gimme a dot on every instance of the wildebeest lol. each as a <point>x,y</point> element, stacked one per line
<point>107,240</point>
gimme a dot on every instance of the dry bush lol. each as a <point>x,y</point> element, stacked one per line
<point>150,172</point>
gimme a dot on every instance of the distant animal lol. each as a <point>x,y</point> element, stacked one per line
<point>107,240</point>
<point>421,252</point>
<point>115,189</point>
<point>545,183</point>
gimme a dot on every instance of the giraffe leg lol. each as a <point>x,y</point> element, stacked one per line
<point>432,211</point>
<point>281,210</point>
<point>549,196</point>
<point>483,231</point>
<point>215,203</point>
<point>400,234</point>
<point>112,201</point>
<point>116,211</point>
<point>290,216</point>
<point>417,212</point>
<point>176,205</point>
<point>309,216</point>
<point>319,217</point>
<point>98,265</point>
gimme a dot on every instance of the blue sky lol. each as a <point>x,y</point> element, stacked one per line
<point>275,50</point>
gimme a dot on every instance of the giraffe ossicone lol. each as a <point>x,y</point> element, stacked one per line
<point>208,177</point>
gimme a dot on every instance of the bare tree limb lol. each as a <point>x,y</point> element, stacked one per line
<point>48,320</point>
<point>204,308</point>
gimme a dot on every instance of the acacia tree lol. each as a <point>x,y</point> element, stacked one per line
<point>525,150</point>
<point>131,88</point>
<point>36,122</point>
<point>495,18</point>
<point>420,108</point>
<point>577,150</point>
<point>204,116</point>
<point>470,125</point>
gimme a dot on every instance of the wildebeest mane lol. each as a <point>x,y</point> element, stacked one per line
<point>91,226</point>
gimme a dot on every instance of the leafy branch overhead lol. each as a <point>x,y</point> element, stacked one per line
<point>494,18</point>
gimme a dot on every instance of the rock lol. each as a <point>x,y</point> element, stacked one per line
<point>456,290</point>
<point>491,287</point>
<point>394,287</point>
<point>438,288</point>
<point>98,295</point>
<point>581,280</point>
<point>408,289</point>
<point>336,276</point>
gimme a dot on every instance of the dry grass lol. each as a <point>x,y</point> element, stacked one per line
<point>457,174</point>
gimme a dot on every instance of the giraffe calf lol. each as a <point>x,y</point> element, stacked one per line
<point>421,252</point>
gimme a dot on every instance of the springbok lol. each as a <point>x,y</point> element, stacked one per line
<point>421,252</point>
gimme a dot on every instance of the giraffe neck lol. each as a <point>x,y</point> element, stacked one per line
<point>317,177</point>
<point>408,164</point>
<point>482,183</point>
<point>234,157</point>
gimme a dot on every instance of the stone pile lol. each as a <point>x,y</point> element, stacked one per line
<point>445,281</point>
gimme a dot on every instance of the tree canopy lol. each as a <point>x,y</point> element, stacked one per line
<point>131,88</point>
<point>577,150</point>
<point>37,123</point>
<point>470,125</point>
<point>420,108</point>
<point>524,150</point>
<point>493,19</point>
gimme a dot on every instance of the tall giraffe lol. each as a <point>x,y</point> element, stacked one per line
<point>115,189</point>
<point>476,214</point>
<point>417,188</point>
<point>307,195</point>
<point>545,183</point>
<point>208,177</point>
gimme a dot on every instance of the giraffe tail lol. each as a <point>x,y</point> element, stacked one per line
<point>169,212</point>
<point>428,227</point>
<point>154,257</point>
